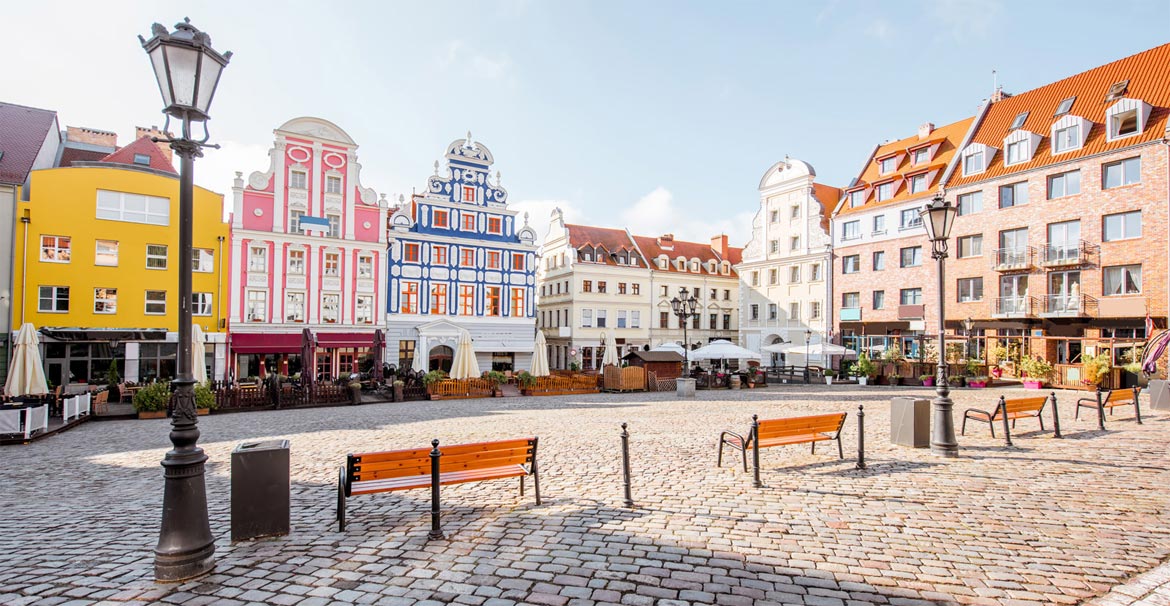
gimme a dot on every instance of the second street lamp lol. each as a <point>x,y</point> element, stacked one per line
<point>937,218</point>
<point>685,306</point>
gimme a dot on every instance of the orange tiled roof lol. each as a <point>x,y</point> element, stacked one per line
<point>690,250</point>
<point>1146,72</point>
<point>947,138</point>
<point>828,196</point>
<point>612,240</point>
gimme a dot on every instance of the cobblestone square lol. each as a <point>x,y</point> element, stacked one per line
<point>1045,522</point>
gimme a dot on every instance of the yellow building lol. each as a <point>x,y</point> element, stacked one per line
<point>96,267</point>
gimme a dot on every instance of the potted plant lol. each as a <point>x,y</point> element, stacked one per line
<point>497,378</point>
<point>955,381</point>
<point>574,367</point>
<point>829,374</point>
<point>151,401</point>
<point>112,379</point>
<point>399,385</point>
<point>204,399</point>
<point>895,380</point>
<point>977,381</point>
<point>1036,371</point>
<point>927,380</point>
<point>355,392</point>
<point>865,369</point>
<point>1097,368</point>
<point>526,382</point>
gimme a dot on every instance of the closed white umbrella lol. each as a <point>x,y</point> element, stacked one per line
<point>539,356</point>
<point>26,375</point>
<point>198,367</point>
<point>421,355</point>
<point>723,349</point>
<point>464,365</point>
<point>611,352</point>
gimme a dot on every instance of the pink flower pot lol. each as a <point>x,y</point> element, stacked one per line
<point>928,382</point>
<point>1031,384</point>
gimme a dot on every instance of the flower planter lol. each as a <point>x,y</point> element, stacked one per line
<point>152,414</point>
<point>202,411</point>
<point>828,380</point>
<point>1031,384</point>
<point>977,384</point>
<point>894,381</point>
<point>928,382</point>
<point>863,380</point>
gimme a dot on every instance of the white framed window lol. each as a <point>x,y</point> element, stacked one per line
<point>1064,184</point>
<point>888,165</point>
<point>879,224</point>
<point>851,230</point>
<point>106,253</point>
<point>910,296</point>
<point>909,218</point>
<point>156,256</point>
<point>332,184</point>
<point>258,259</point>
<point>203,260</point>
<point>298,179</point>
<point>622,318</point>
<point>814,310</point>
<point>365,268</point>
<point>364,309</point>
<point>1122,280</point>
<point>334,225</point>
<point>970,290</point>
<point>774,246</point>
<point>1122,226</point>
<point>56,249</point>
<point>775,215</point>
<point>794,212</point>
<point>814,272</point>
<point>332,265</point>
<point>885,191</point>
<point>850,300</point>
<point>794,311</point>
<point>1122,172</point>
<point>53,299</point>
<point>635,319</point>
<point>133,208</point>
<point>587,318</point>
<point>1014,194</point>
<point>970,246</point>
<point>202,303</point>
<point>794,274</point>
<point>330,308</point>
<point>156,302</point>
<point>773,311</point>
<point>1066,139</point>
<point>755,278</point>
<point>294,307</point>
<point>1064,107</point>
<point>105,300</point>
<point>922,155</point>
<point>1017,152</point>
<point>917,184</point>
<point>1018,121</point>
<point>973,162</point>
<point>879,260</point>
<point>257,307</point>
<point>294,221</point>
<point>794,243</point>
<point>773,276</point>
<point>970,203</point>
<point>296,261</point>
<point>857,198</point>
<point>850,264</point>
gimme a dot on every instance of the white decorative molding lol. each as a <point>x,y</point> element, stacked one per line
<point>440,273</point>
<point>295,281</point>
<point>411,271</point>
<point>257,279</point>
<point>299,154</point>
<point>330,283</point>
<point>466,275</point>
<point>333,202</point>
<point>259,212</point>
<point>298,198</point>
<point>334,160</point>
<point>365,285</point>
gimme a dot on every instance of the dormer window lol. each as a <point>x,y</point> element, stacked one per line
<point>857,198</point>
<point>1019,121</point>
<point>142,159</point>
<point>662,261</point>
<point>885,191</point>
<point>586,256</point>
<point>918,184</point>
<point>1126,117</point>
<point>1017,152</point>
<point>888,165</point>
<point>973,162</point>
<point>1067,138</point>
<point>1019,146</point>
<point>1064,107</point>
<point>1117,91</point>
<point>922,155</point>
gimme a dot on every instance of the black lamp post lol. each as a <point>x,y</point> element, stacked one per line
<point>188,71</point>
<point>967,324</point>
<point>685,306</point>
<point>938,217</point>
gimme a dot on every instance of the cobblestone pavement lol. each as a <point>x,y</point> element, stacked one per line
<point>1046,522</point>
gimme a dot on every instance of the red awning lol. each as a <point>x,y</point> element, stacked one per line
<point>345,339</point>
<point>255,343</point>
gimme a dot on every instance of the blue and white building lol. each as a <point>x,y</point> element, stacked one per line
<point>459,259</point>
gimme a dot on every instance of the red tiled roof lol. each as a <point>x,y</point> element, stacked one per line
<point>828,196</point>
<point>612,240</point>
<point>1146,72</point>
<point>146,147</point>
<point>689,250</point>
<point>69,155</point>
<point>22,132</point>
<point>735,255</point>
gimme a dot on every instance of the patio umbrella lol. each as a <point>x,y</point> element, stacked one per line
<point>421,355</point>
<point>723,349</point>
<point>821,349</point>
<point>464,365</point>
<point>198,367</point>
<point>539,356</point>
<point>611,353</point>
<point>675,347</point>
<point>26,375</point>
<point>777,347</point>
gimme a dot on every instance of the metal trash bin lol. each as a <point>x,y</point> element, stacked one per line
<point>260,489</point>
<point>910,422</point>
<point>1159,394</point>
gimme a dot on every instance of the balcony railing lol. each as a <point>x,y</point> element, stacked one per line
<point>850,314</point>
<point>1014,307</point>
<point>1068,306</point>
<point>1063,255</point>
<point>1013,259</point>
<point>911,312</point>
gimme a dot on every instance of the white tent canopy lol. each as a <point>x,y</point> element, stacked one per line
<point>464,365</point>
<point>539,356</point>
<point>723,350</point>
<point>820,349</point>
<point>26,374</point>
<point>778,347</point>
<point>675,347</point>
<point>611,352</point>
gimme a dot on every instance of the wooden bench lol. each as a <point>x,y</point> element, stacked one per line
<point>785,432</point>
<point>374,472</point>
<point>1115,398</point>
<point>1017,408</point>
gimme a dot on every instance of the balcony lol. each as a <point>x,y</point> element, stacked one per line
<point>850,314</point>
<point>911,312</point>
<point>1068,306</point>
<point>1013,259</point>
<point>1064,255</point>
<point>1014,307</point>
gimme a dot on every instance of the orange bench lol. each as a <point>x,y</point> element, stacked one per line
<point>1017,408</point>
<point>375,472</point>
<point>1116,397</point>
<point>785,432</point>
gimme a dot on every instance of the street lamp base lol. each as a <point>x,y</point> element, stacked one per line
<point>177,567</point>
<point>942,433</point>
<point>944,450</point>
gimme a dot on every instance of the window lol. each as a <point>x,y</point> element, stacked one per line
<point>1117,90</point>
<point>296,261</point>
<point>1017,152</point>
<point>857,198</point>
<point>257,306</point>
<point>852,230</point>
<point>601,286</point>
<point>909,218</point>
<point>794,274</point>
<point>911,256</point>
<point>971,246</point>
<point>885,191</point>
<point>773,311</point>
<point>332,265</point>
<point>970,203</point>
<point>55,249</point>
<point>635,319</point>
<point>202,260</point>
<point>794,212</point>
<point>664,319</point>
<point>917,184</point>
<point>518,261</point>
<point>1015,194</point>
<point>850,264</point>
<point>493,259</point>
<point>666,291</point>
<point>410,252</point>
<point>438,299</point>
<point>850,300</point>
<point>794,243</point>
<point>755,278</point>
<point>1067,138</point>
<point>587,318</point>
<point>814,310</point>
<point>622,318</point>
<point>495,225</point>
<point>201,304</point>
<point>106,253</point>
<point>587,286</point>
<point>466,300</point>
<point>1123,124</point>
<point>695,323</point>
<point>364,309</point>
<point>156,256</point>
<point>636,288</point>
<point>888,165</point>
<point>105,300</point>
<point>438,254</point>
<point>921,155</point>
<point>1064,184</point>
<point>1122,280</point>
<point>775,215</point>
<point>879,260</point>
<point>467,257</point>
<point>1018,122</point>
<point>294,307</point>
<point>755,311</point>
<point>911,296</point>
<point>774,246</point>
<point>973,162</point>
<point>879,299</point>
<point>298,179</point>
<point>970,290</point>
<point>142,159</point>
<point>440,218</point>
<point>1122,226</point>
<point>1125,172</point>
<point>468,221</point>
<point>156,302</point>
<point>330,308</point>
<point>879,224</point>
<point>726,294</point>
<point>517,302</point>
<point>601,318</point>
<point>53,299</point>
<point>468,193</point>
<point>794,311</point>
<point>1064,107</point>
<point>133,208</point>
<point>491,300</point>
<point>294,221</point>
<point>332,184</point>
<point>814,272</point>
<point>409,302</point>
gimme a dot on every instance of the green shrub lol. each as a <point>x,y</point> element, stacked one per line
<point>1036,368</point>
<point>204,397</point>
<point>153,397</point>
<point>525,379</point>
<point>865,367</point>
<point>495,376</point>
<point>433,377</point>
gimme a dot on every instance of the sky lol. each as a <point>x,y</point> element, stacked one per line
<point>657,116</point>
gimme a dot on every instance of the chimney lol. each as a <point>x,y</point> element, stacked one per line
<point>999,95</point>
<point>925,129</point>
<point>666,241</point>
<point>719,245</point>
<point>91,136</point>
<point>153,131</point>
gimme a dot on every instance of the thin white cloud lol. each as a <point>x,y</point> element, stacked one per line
<point>540,211</point>
<point>459,55</point>
<point>881,29</point>
<point>965,19</point>
<point>216,170</point>
<point>656,213</point>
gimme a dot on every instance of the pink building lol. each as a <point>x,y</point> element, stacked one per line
<point>309,250</point>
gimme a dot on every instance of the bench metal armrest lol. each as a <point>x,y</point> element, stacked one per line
<point>1092,401</point>
<point>967,413</point>
<point>742,442</point>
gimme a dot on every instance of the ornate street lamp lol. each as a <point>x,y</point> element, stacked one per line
<point>938,217</point>
<point>188,71</point>
<point>967,324</point>
<point>685,306</point>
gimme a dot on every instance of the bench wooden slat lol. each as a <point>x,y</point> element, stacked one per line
<point>791,431</point>
<point>445,479</point>
<point>801,439</point>
<point>787,431</point>
<point>470,458</point>
<point>397,455</point>
<point>444,467</point>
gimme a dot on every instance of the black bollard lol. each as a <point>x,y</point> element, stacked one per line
<point>1055,417</point>
<point>755,439</point>
<point>861,436</point>
<point>629,497</point>
<point>1137,407</point>
<point>436,530</point>
<point>1100,411</point>
<point>1007,432</point>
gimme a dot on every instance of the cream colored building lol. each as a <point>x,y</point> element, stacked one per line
<point>786,270</point>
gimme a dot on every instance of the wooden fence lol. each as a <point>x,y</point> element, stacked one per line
<point>455,389</point>
<point>653,383</point>
<point>242,397</point>
<point>630,378</point>
<point>556,385</point>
